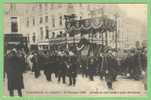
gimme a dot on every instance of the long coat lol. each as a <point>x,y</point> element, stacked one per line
<point>14,68</point>
<point>110,68</point>
<point>72,70</point>
<point>92,68</point>
<point>144,61</point>
<point>137,64</point>
<point>35,61</point>
<point>62,68</point>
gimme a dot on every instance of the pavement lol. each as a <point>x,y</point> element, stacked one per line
<point>83,87</point>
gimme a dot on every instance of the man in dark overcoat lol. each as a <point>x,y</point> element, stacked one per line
<point>137,68</point>
<point>62,70</point>
<point>51,67</point>
<point>72,71</point>
<point>36,67</point>
<point>91,69</point>
<point>110,70</point>
<point>144,67</point>
<point>14,69</point>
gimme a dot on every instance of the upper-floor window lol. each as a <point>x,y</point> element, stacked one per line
<point>88,7</point>
<point>27,23</point>
<point>12,8</point>
<point>33,21</point>
<point>60,18</point>
<point>70,6</point>
<point>61,34</point>
<point>46,19</point>
<point>80,4</point>
<point>80,17</point>
<point>59,5</point>
<point>34,38</point>
<point>46,5</point>
<point>33,8</point>
<point>41,33</point>
<point>53,34</point>
<point>53,22</point>
<point>41,20</point>
<point>40,6</point>
<point>52,6</point>
<point>47,32</point>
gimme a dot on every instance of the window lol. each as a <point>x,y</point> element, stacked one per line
<point>46,6</point>
<point>92,13</point>
<point>61,34</point>
<point>33,8</point>
<point>47,32</point>
<point>41,32</point>
<point>88,7</point>
<point>41,20</point>
<point>33,21</point>
<point>14,24</point>
<point>53,22</point>
<point>53,34</point>
<point>80,4</point>
<point>80,17</point>
<point>46,19</point>
<point>52,6</point>
<point>60,22</point>
<point>70,6</point>
<point>27,23</point>
<point>34,38</point>
<point>59,5</point>
<point>40,6</point>
<point>12,7</point>
<point>45,47</point>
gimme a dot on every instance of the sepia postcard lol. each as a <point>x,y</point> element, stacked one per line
<point>75,49</point>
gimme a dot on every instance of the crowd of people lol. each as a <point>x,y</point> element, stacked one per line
<point>67,66</point>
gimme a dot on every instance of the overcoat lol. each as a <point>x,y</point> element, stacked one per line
<point>14,69</point>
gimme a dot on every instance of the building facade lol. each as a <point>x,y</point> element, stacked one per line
<point>41,22</point>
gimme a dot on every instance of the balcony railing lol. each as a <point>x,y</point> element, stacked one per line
<point>69,40</point>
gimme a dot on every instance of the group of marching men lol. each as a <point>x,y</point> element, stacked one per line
<point>66,67</point>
